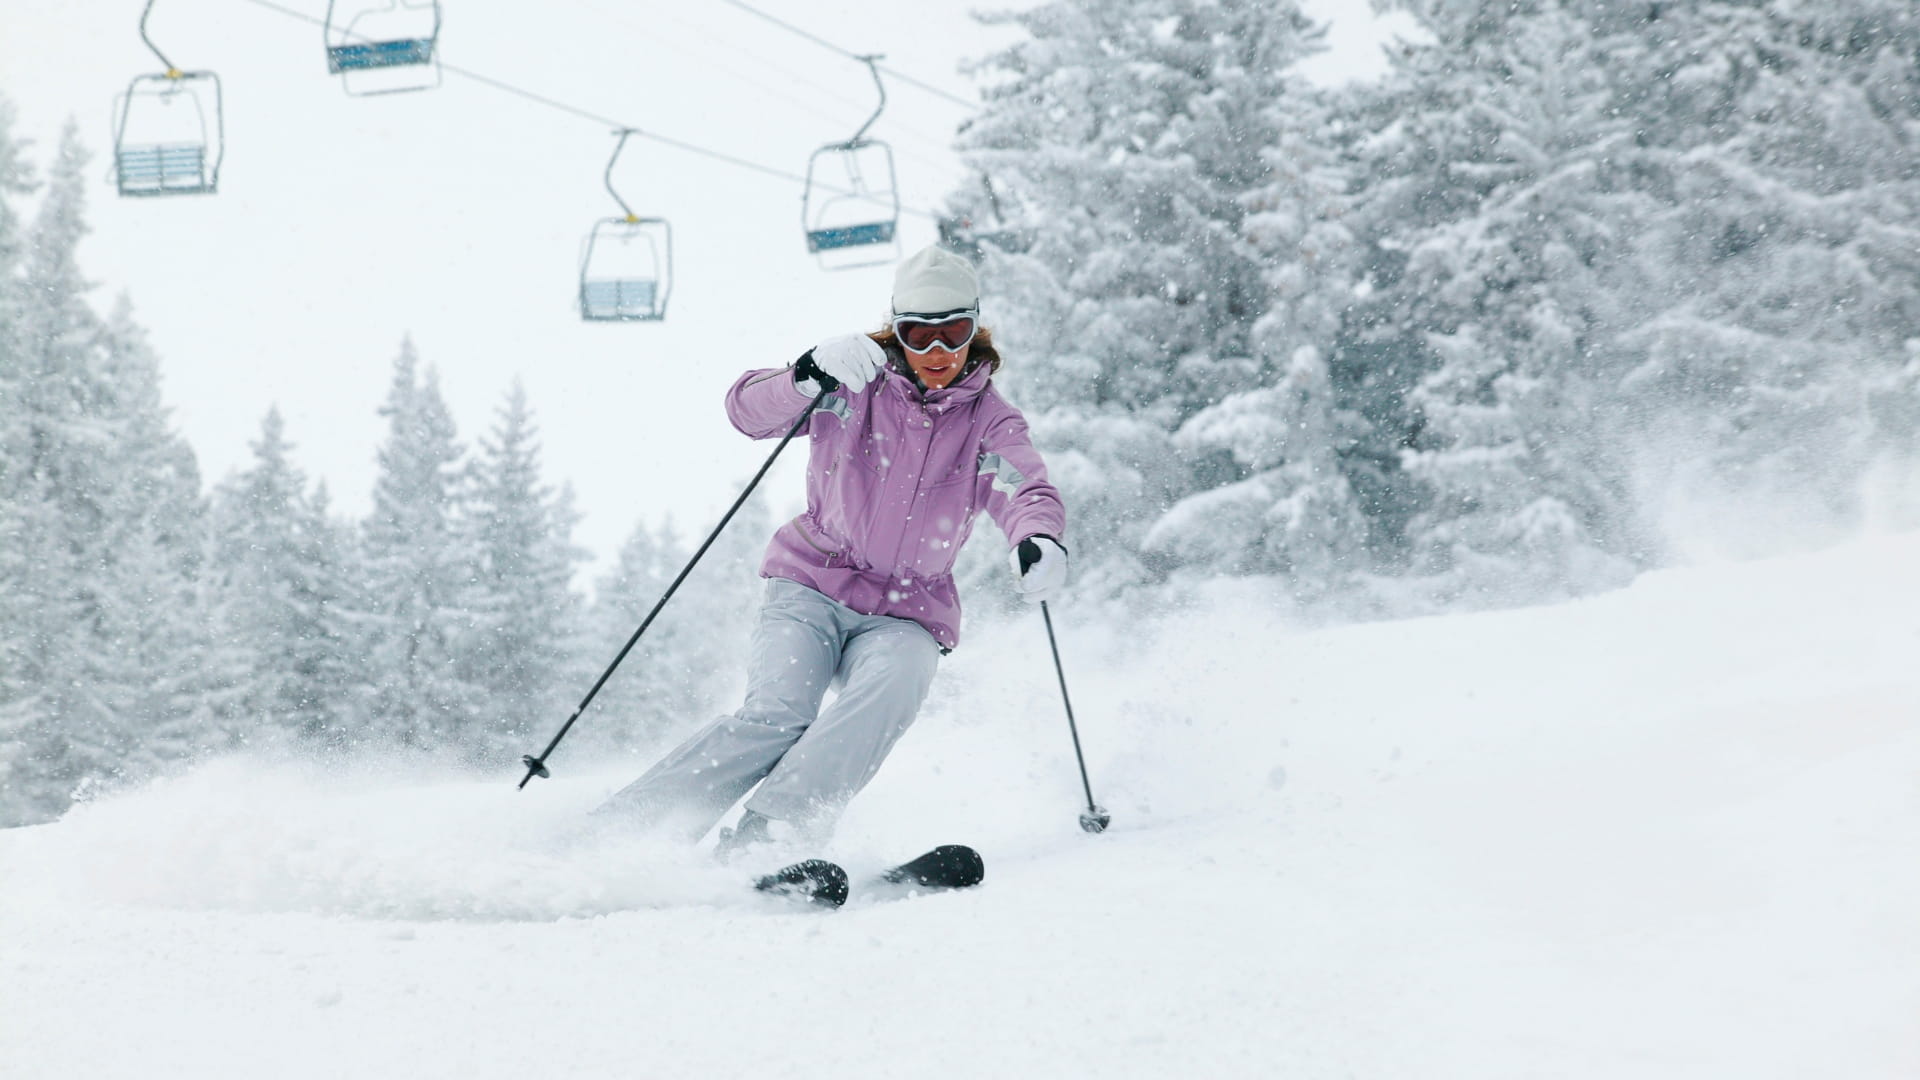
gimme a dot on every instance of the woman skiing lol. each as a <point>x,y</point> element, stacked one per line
<point>908,444</point>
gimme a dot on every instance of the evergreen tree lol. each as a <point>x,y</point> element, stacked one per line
<point>1591,221</point>
<point>64,724</point>
<point>714,613</point>
<point>1782,268</point>
<point>279,558</point>
<point>104,628</point>
<point>690,665</point>
<point>1501,206</point>
<point>338,662</point>
<point>1294,513</point>
<point>416,610</point>
<point>649,695</point>
<point>1125,140</point>
<point>167,608</point>
<point>26,533</point>
<point>527,614</point>
<point>1276,462</point>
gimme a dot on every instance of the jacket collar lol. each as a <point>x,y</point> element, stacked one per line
<point>901,380</point>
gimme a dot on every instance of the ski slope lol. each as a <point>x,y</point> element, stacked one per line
<point>1672,831</point>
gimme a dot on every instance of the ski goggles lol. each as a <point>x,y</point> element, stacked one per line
<point>950,330</point>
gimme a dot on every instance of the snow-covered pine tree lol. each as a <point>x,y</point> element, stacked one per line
<point>1498,211</point>
<point>280,560</point>
<point>416,607</point>
<point>1607,237</point>
<point>22,528</point>
<point>1123,138</point>
<point>1272,461</point>
<point>715,612</point>
<point>106,679</point>
<point>650,695</point>
<point>690,665</point>
<point>338,665</point>
<point>526,611</point>
<point>168,617</point>
<point>1293,512</point>
<point>1783,266</point>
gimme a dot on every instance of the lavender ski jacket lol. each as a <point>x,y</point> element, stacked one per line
<point>895,478</point>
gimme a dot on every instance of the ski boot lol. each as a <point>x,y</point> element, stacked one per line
<point>750,830</point>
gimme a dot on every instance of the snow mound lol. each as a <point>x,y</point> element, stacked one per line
<point>1665,831</point>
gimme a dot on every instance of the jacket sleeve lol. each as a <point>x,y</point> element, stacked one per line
<point>765,403</point>
<point>1019,498</point>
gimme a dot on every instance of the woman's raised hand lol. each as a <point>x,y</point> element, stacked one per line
<point>853,359</point>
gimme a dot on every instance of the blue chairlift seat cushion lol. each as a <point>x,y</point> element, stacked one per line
<point>619,299</point>
<point>879,232</point>
<point>379,54</point>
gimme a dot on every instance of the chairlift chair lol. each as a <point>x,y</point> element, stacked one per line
<point>169,130</point>
<point>626,270</point>
<point>850,207</point>
<point>386,49</point>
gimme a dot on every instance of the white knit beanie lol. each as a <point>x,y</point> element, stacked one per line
<point>932,281</point>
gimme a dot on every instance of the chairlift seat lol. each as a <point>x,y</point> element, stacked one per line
<point>878,232</point>
<point>379,54</point>
<point>620,300</point>
<point>162,170</point>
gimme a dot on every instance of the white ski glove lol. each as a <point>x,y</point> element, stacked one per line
<point>1039,567</point>
<point>852,360</point>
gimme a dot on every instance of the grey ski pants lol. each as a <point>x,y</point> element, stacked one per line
<point>808,762</point>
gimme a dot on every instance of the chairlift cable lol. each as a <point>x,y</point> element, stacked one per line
<point>825,44</point>
<point>598,118</point>
<point>782,95</point>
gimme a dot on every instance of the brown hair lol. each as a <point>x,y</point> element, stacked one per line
<point>981,351</point>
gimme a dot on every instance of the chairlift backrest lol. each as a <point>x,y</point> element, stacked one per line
<point>384,49</point>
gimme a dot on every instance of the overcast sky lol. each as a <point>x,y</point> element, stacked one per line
<point>456,216</point>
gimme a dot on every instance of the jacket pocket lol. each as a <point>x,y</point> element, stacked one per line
<point>806,535</point>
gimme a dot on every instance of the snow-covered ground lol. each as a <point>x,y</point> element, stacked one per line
<point>1672,831</point>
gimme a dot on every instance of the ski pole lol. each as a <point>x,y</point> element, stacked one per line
<point>1096,818</point>
<point>537,766</point>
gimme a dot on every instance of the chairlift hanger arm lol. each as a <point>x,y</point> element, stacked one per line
<point>172,72</point>
<point>872,63</point>
<point>617,147</point>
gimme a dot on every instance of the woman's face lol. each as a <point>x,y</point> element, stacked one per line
<point>939,366</point>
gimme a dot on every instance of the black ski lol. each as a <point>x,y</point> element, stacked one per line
<point>817,881</point>
<point>949,866</point>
